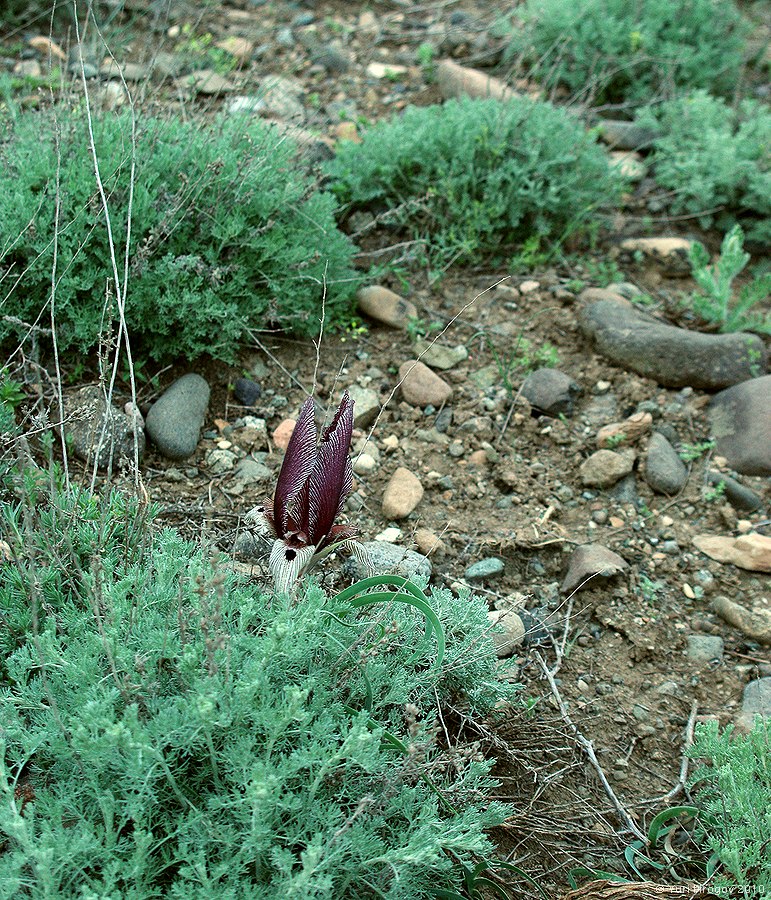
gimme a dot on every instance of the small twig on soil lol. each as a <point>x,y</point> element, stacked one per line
<point>588,748</point>
<point>681,781</point>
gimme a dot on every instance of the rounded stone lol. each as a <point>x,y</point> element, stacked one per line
<point>741,425</point>
<point>385,306</point>
<point>484,568</point>
<point>420,386</point>
<point>402,494</point>
<point>605,467</point>
<point>175,420</point>
<point>665,472</point>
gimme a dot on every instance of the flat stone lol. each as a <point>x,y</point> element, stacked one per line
<point>671,254</point>
<point>755,623</point>
<point>704,648</point>
<point>508,631</point>
<point>420,386</point>
<point>461,81</point>
<point>551,391</point>
<point>100,432</point>
<point>741,425</point>
<point>438,356</point>
<point>484,569</point>
<point>402,494</point>
<point>622,434</point>
<point>209,82</point>
<point>383,305</point>
<point>748,551</point>
<point>664,471</point>
<point>756,701</point>
<point>175,420</point>
<point>386,558</point>
<point>626,135</point>
<point>605,467</point>
<point>674,357</point>
<point>589,561</point>
<point>366,405</point>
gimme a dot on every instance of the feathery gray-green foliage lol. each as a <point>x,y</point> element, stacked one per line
<point>169,732</point>
<point>227,233</point>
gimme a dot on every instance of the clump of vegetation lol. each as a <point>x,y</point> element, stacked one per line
<point>614,50</point>
<point>714,158</point>
<point>734,800</point>
<point>227,234</point>
<point>473,176</point>
<point>167,731</point>
<point>718,302</point>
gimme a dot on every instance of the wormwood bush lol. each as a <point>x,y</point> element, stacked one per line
<point>167,732</point>
<point>617,50</point>
<point>227,233</point>
<point>715,159</point>
<point>472,175</point>
<point>734,794</point>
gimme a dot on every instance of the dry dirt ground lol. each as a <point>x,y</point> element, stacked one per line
<point>618,646</point>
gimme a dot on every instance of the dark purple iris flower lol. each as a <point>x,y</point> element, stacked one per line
<point>315,480</point>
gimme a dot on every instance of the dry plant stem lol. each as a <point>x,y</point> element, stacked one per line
<point>683,778</point>
<point>588,748</point>
<point>120,286</point>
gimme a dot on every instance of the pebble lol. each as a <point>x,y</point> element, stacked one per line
<point>402,494</point>
<point>508,631</point>
<point>741,424</point>
<point>429,543</point>
<point>219,461</point>
<point>755,623</point>
<point>438,356</point>
<point>626,135</point>
<point>385,70</point>
<point>670,253</point>
<point>100,432</point>
<point>420,386</point>
<point>704,648</point>
<point>175,420</point>
<point>756,701</point>
<point>529,287</point>
<point>390,558</point>
<point>455,80</point>
<point>366,405</point>
<point>605,467</point>
<point>589,561</point>
<point>551,391</point>
<point>208,82</point>
<point>282,432</point>
<point>621,434</point>
<point>364,464</point>
<point>246,391</point>
<point>664,471</point>
<point>383,305</point>
<point>673,357</point>
<point>389,535</point>
<point>484,569</point>
<point>737,494</point>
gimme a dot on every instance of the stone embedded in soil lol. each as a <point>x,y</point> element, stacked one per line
<point>246,391</point>
<point>738,495</point>
<point>755,623</point>
<point>99,431</point>
<point>364,464</point>
<point>626,135</point>
<point>629,164</point>
<point>386,558</point>
<point>551,392</point>
<point>704,648</point>
<point>282,432</point>
<point>383,305</point>
<point>741,425</point>
<point>421,387</point>
<point>208,82</point>
<point>508,632</point>
<point>402,494</point>
<point>670,253</point>
<point>438,356</point>
<point>589,561</point>
<point>175,420</point>
<point>748,551</point>
<point>490,567</point>
<point>756,701</point>
<point>621,434</point>
<point>428,543</point>
<point>605,467</point>
<point>455,80</point>
<point>664,471</point>
<point>674,357</point>
<point>366,405</point>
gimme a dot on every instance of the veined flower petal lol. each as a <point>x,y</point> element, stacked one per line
<point>297,465</point>
<point>287,565</point>
<point>261,519</point>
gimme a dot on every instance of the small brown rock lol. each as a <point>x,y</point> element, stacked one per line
<point>282,434</point>
<point>239,47</point>
<point>385,306</point>
<point>621,434</point>
<point>605,467</point>
<point>755,623</point>
<point>510,631</point>
<point>458,81</point>
<point>671,253</point>
<point>589,561</point>
<point>429,543</point>
<point>420,386</point>
<point>749,551</point>
<point>402,494</point>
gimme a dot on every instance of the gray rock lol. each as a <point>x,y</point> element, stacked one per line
<point>175,420</point>
<point>664,470</point>
<point>551,392</point>
<point>249,472</point>
<point>438,356</point>
<point>485,568</point>
<point>98,431</point>
<point>626,135</point>
<point>756,701</point>
<point>246,391</point>
<point>674,357</point>
<point>737,494</point>
<point>390,559</point>
<point>741,425</point>
<point>625,490</point>
<point>366,405</point>
<point>508,633</point>
<point>704,648</point>
<point>591,560</point>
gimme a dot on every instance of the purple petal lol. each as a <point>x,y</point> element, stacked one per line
<point>331,478</point>
<point>297,465</point>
